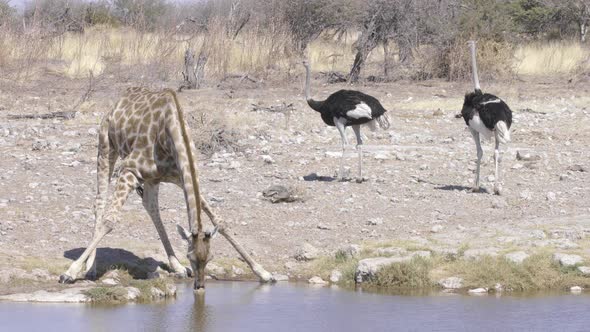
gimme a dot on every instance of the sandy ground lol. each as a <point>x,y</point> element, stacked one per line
<point>419,171</point>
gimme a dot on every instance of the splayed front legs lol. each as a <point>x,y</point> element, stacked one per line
<point>479,156</point>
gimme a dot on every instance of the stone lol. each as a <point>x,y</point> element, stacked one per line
<point>335,276</point>
<point>306,252</point>
<point>236,271</point>
<point>551,196</point>
<point>436,228</point>
<point>478,253</point>
<point>349,251</point>
<point>267,159</point>
<point>478,291</point>
<point>69,295</point>
<point>317,281</point>
<point>110,281</point>
<point>517,256</point>
<point>585,270</point>
<point>451,283</point>
<point>567,259</point>
<point>576,289</point>
<point>538,234</point>
<point>367,268</point>
<point>279,193</point>
<point>323,226</point>
<point>375,221</point>
<point>527,156</point>
<point>279,277</point>
<point>159,273</point>
<point>170,290</point>
<point>214,270</point>
<point>499,203</point>
<point>391,251</point>
<point>132,293</point>
<point>157,293</point>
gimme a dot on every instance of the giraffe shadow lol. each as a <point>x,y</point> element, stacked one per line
<point>114,258</point>
<point>452,187</point>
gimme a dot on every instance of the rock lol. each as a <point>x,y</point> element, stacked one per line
<point>576,289</point>
<point>317,281</point>
<point>551,196</point>
<point>499,203</point>
<point>110,281</point>
<point>478,253</point>
<point>335,276</point>
<point>567,260</point>
<point>69,295</point>
<point>449,253</point>
<point>538,234</point>
<point>132,293</point>
<point>214,270</point>
<point>278,193</point>
<point>367,268</point>
<point>267,159</point>
<point>498,287</point>
<point>478,291</point>
<point>436,228</point>
<point>236,271</point>
<point>159,273</point>
<point>578,168</point>
<point>323,226</point>
<point>375,221</point>
<point>527,156</point>
<point>585,270</point>
<point>451,283</point>
<point>517,257</point>
<point>391,251</point>
<point>307,252</point>
<point>170,290</point>
<point>157,293</point>
<point>349,251</point>
<point>279,277</point>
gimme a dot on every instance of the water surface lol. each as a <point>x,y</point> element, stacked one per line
<point>243,306</point>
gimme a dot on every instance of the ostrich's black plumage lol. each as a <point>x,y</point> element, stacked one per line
<point>340,103</point>
<point>490,109</point>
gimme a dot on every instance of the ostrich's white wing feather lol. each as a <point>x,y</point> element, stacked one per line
<point>361,110</point>
<point>493,101</point>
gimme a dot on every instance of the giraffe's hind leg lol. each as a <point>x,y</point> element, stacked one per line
<point>150,202</point>
<point>125,184</point>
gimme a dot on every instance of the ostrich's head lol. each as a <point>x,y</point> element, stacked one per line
<point>199,243</point>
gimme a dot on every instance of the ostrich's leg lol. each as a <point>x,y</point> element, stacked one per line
<point>340,126</point>
<point>359,146</point>
<point>497,184</point>
<point>479,155</point>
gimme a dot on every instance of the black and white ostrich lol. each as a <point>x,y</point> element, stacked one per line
<point>346,108</point>
<point>486,115</point>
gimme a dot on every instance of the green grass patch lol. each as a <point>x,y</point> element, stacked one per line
<point>412,274</point>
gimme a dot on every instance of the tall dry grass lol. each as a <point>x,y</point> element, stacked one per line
<point>551,58</point>
<point>264,52</point>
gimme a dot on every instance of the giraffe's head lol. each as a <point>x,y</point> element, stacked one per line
<point>199,243</point>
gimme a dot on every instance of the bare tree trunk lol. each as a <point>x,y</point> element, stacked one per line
<point>366,43</point>
<point>189,75</point>
<point>386,58</point>
<point>583,30</point>
<point>200,69</point>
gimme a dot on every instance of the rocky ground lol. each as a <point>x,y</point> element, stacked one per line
<point>416,197</point>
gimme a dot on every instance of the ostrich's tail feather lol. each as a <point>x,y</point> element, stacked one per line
<point>383,121</point>
<point>503,133</point>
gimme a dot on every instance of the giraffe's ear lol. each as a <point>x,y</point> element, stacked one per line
<point>184,234</point>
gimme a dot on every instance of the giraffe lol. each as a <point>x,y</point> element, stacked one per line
<point>148,132</point>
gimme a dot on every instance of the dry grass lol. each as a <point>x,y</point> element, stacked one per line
<point>551,58</point>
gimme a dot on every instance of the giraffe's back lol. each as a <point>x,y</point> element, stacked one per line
<point>137,129</point>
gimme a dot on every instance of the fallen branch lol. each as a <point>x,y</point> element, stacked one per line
<point>68,115</point>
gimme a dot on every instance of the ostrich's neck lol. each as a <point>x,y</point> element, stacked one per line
<point>312,103</point>
<point>474,67</point>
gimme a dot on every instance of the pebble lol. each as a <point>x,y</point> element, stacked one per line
<point>306,252</point>
<point>335,276</point>
<point>517,257</point>
<point>317,281</point>
<point>436,228</point>
<point>551,196</point>
<point>478,291</point>
<point>375,221</point>
<point>576,289</point>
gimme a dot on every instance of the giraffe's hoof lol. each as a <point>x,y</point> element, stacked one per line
<point>65,279</point>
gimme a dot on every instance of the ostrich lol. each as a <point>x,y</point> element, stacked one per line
<point>487,115</point>
<point>346,108</point>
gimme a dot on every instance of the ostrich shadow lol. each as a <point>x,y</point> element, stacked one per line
<point>319,178</point>
<point>114,258</point>
<point>452,187</point>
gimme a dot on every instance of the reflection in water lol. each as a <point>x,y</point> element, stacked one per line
<point>242,306</point>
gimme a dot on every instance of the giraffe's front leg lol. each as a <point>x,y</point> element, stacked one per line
<point>125,184</point>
